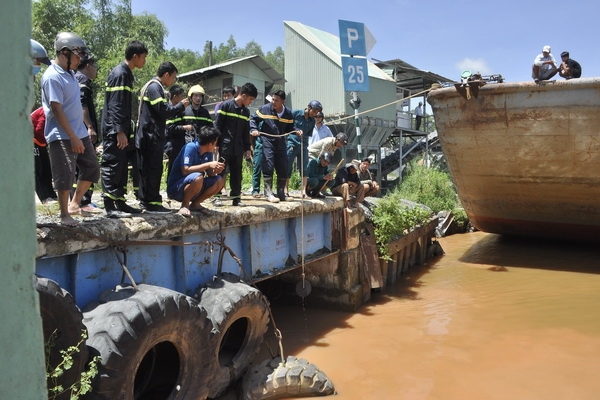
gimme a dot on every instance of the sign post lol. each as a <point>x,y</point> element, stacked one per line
<point>355,42</point>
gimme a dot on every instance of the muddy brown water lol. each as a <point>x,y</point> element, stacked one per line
<point>494,318</point>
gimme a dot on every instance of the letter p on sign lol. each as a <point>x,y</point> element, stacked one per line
<point>352,38</point>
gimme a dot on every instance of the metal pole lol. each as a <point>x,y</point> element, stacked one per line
<point>356,122</point>
<point>400,146</point>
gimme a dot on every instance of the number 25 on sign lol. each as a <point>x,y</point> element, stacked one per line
<point>356,74</point>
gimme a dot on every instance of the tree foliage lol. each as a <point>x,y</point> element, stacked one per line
<point>108,25</point>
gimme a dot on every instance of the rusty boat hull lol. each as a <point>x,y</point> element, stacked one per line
<point>525,157</point>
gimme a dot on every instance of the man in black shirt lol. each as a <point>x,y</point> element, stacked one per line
<point>569,67</point>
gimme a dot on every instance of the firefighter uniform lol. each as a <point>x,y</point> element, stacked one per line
<point>266,120</point>
<point>116,117</point>
<point>197,118</point>
<point>150,141</point>
<point>233,121</point>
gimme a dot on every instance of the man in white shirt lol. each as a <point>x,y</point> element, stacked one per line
<point>419,115</point>
<point>544,66</point>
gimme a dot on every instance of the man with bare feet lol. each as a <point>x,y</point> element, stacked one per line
<point>68,141</point>
<point>195,176</point>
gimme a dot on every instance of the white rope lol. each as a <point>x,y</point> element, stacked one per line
<point>377,108</point>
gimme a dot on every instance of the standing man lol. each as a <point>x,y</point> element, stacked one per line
<point>569,68</point>
<point>116,130</point>
<point>233,121</point>
<point>544,66</point>
<point>69,144</point>
<point>320,131</point>
<point>195,114</point>
<point>176,128</point>
<point>87,71</point>
<point>297,142</point>
<point>419,115</point>
<point>273,122</point>
<point>150,135</point>
<point>227,93</point>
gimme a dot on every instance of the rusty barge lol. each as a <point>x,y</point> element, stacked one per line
<point>525,157</point>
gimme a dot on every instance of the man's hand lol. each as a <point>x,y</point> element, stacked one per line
<point>254,133</point>
<point>77,146</point>
<point>122,140</point>
<point>248,155</point>
<point>185,102</point>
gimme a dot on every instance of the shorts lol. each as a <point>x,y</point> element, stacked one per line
<point>175,191</point>
<point>64,163</point>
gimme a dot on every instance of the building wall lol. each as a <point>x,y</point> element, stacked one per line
<point>22,374</point>
<point>312,74</point>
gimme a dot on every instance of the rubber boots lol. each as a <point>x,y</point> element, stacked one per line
<point>281,189</point>
<point>269,191</point>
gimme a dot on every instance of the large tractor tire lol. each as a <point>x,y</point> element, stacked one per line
<point>239,315</point>
<point>153,343</point>
<point>63,328</point>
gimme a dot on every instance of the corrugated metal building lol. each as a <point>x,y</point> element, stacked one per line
<point>313,70</point>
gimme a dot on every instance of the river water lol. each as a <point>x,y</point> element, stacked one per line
<point>493,318</point>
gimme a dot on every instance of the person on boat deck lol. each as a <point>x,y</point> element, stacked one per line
<point>569,68</point>
<point>544,66</point>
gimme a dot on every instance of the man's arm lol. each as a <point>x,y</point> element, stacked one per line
<point>63,121</point>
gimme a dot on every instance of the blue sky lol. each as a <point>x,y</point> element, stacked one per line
<point>441,36</point>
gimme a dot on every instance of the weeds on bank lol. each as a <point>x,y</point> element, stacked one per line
<point>431,187</point>
<point>78,388</point>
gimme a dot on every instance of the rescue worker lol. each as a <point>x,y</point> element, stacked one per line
<point>176,128</point>
<point>273,122</point>
<point>117,129</point>
<point>234,142</point>
<point>150,135</point>
<point>195,114</point>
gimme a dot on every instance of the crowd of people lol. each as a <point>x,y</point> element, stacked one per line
<point>201,153</point>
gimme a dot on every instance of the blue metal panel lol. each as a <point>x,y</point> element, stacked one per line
<point>317,233</point>
<point>58,269</point>
<point>152,265</point>
<point>200,261</point>
<point>94,273</point>
<point>269,246</point>
<point>264,249</point>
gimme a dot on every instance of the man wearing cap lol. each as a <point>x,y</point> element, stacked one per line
<point>329,145</point>
<point>544,66</point>
<point>304,123</point>
<point>569,68</point>
<point>318,176</point>
<point>347,183</point>
<point>69,144</point>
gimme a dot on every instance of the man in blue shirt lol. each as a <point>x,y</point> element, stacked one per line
<point>68,141</point>
<point>195,175</point>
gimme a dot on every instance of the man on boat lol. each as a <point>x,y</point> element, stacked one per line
<point>569,68</point>
<point>544,66</point>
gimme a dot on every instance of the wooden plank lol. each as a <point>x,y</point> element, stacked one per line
<point>369,251</point>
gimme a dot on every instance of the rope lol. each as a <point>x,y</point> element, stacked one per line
<point>380,107</point>
<point>277,136</point>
